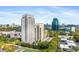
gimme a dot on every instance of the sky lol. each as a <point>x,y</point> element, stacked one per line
<point>42,14</point>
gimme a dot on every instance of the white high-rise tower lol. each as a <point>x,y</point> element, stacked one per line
<point>39,31</point>
<point>28,28</point>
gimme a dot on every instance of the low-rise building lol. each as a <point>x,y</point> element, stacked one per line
<point>15,34</point>
<point>4,32</point>
<point>73,29</point>
<point>12,34</point>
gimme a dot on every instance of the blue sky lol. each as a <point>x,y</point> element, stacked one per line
<point>42,14</point>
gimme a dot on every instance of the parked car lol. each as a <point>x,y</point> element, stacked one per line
<point>63,44</point>
<point>66,44</point>
<point>71,43</point>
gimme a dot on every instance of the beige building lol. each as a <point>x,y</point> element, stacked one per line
<point>30,31</point>
<point>39,31</point>
<point>28,28</point>
<point>15,34</point>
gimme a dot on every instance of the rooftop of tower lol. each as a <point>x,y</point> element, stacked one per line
<point>25,15</point>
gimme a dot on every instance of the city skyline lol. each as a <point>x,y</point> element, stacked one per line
<point>42,14</point>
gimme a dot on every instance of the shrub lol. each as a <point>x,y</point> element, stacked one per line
<point>8,47</point>
<point>26,45</point>
<point>41,45</point>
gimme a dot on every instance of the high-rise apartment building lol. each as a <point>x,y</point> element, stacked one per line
<point>28,28</point>
<point>39,31</point>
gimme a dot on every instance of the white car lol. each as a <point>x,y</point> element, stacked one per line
<point>63,44</point>
<point>71,43</point>
<point>66,44</point>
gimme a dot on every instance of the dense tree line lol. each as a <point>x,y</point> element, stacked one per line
<point>10,28</point>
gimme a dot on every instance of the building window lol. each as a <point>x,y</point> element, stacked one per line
<point>15,34</point>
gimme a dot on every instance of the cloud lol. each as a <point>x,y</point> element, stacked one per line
<point>71,13</point>
<point>46,18</point>
<point>66,16</point>
<point>55,7</point>
<point>9,17</point>
<point>8,13</point>
<point>45,15</point>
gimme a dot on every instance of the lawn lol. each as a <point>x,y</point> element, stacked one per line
<point>26,49</point>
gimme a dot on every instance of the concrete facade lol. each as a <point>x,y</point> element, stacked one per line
<point>15,34</point>
<point>39,31</point>
<point>28,28</point>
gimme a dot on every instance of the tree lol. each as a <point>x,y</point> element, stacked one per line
<point>50,33</point>
<point>41,45</point>
<point>53,33</point>
<point>14,41</point>
<point>2,39</point>
<point>76,36</point>
<point>53,44</point>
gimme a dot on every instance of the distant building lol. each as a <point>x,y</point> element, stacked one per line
<point>55,24</point>
<point>47,26</point>
<point>73,29</point>
<point>4,33</point>
<point>15,34</point>
<point>39,31</point>
<point>28,28</point>
<point>12,34</point>
<point>14,25</point>
<point>68,28</point>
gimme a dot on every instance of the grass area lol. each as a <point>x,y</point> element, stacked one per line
<point>25,49</point>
